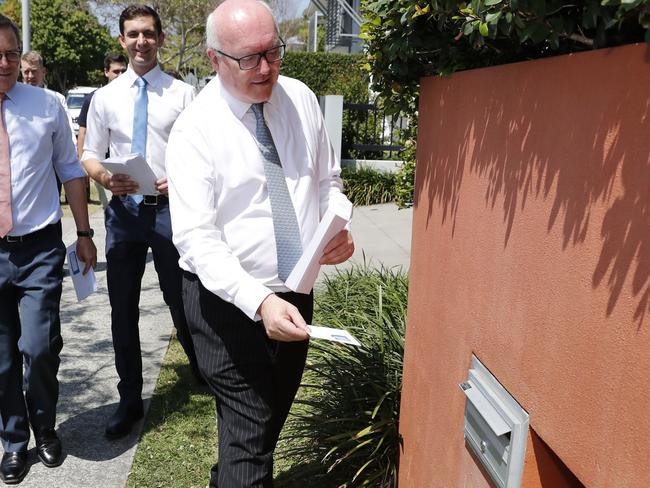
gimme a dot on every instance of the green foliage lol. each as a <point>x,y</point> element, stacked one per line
<point>70,39</point>
<point>405,178</point>
<point>405,182</point>
<point>367,186</point>
<point>329,74</point>
<point>344,429</point>
<point>408,39</point>
<point>332,74</point>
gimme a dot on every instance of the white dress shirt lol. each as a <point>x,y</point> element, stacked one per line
<point>39,145</point>
<point>221,213</point>
<point>110,116</point>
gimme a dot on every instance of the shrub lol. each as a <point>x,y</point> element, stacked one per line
<point>405,178</point>
<point>329,73</point>
<point>344,431</point>
<point>405,182</point>
<point>367,186</point>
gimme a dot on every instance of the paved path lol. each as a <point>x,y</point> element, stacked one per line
<point>87,375</point>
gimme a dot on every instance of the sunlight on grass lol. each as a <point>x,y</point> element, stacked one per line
<point>178,446</point>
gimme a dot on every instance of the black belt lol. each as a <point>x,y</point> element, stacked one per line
<point>154,199</point>
<point>37,234</point>
<point>150,200</point>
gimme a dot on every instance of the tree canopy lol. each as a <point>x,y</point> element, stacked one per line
<point>69,37</point>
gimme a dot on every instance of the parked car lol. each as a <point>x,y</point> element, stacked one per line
<point>74,101</point>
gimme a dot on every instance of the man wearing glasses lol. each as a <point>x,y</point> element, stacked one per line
<point>251,172</point>
<point>35,144</point>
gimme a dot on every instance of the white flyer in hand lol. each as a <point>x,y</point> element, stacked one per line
<point>304,274</point>
<point>331,334</point>
<point>137,168</point>
<point>86,284</point>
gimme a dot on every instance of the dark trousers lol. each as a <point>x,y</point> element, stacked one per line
<point>253,378</point>
<point>132,229</point>
<point>31,273</point>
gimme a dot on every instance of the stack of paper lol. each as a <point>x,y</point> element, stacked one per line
<point>136,167</point>
<point>304,274</point>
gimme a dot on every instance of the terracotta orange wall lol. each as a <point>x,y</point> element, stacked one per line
<point>531,249</point>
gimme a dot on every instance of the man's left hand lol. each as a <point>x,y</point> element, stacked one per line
<point>87,252</point>
<point>339,249</point>
<point>161,186</point>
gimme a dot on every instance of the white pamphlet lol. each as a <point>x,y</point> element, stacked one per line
<point>138,170</point>
<point>331,334</point>
<point>304,274</point>
<point>86,284</point>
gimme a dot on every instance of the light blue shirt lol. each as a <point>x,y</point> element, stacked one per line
<point>40,144</point>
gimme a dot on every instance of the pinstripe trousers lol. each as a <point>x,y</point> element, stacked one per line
<point>254,380</point>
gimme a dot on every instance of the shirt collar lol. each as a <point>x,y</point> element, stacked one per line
<point>238,107</point>
<point>14,93</point>
<point>153,76</point>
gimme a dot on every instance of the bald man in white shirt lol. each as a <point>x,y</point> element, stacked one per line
<point>249,329</point>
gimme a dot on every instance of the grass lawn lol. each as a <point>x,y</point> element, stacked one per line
<point>178,446</point>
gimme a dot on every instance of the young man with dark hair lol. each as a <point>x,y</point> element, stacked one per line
<point>134,114</point>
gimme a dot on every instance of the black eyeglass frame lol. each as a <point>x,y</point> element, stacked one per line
<point>259,55</point>
<point>14,53</point>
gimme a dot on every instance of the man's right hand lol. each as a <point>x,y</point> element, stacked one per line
<point>282,320</point>
<point>119,184</point>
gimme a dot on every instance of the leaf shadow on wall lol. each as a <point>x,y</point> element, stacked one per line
<point>549,140</point>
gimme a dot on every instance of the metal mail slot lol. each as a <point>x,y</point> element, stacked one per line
<point>495,427</point>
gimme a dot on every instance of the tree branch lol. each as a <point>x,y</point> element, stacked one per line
<point>581,39</point>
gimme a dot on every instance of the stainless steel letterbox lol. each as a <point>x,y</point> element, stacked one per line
<point>496,426</point>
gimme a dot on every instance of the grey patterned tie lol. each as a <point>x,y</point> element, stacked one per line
<point>285,223</point>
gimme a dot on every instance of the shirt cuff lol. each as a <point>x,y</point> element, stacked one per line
<point>250,296</point>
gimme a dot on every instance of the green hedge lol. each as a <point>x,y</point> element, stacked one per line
<point>329,73</point>
<point>333,74</point>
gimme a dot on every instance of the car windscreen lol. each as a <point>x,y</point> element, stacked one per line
<point>75,100</point>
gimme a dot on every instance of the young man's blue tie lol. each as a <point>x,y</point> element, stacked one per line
<point>139,136</point>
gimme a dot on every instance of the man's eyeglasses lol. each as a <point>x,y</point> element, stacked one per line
<point>10,56</point>
<point>252,61</point>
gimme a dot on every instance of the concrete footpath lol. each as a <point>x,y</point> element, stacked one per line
<point>88,381</point>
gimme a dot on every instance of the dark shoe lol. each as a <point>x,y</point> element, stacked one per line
<point>122,421</point>
<point>14,467</point>
<point>48,448</point>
